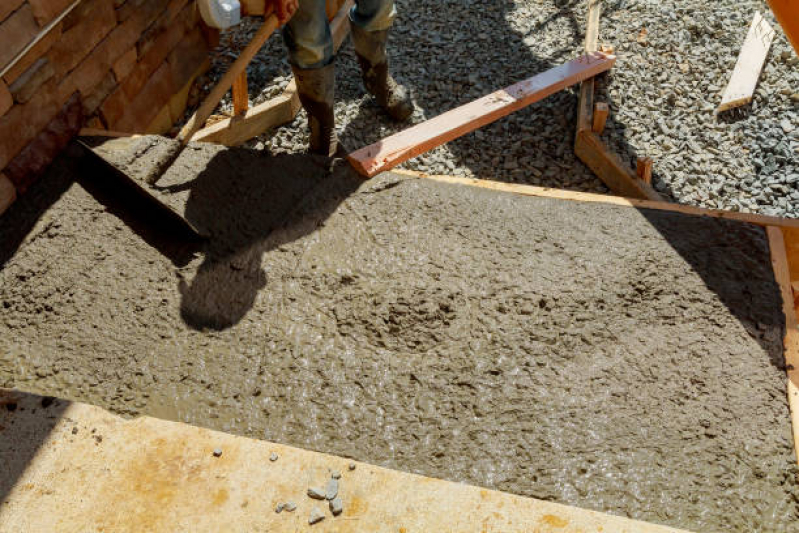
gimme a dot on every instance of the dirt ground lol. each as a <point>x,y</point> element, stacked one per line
<point>614,359</point>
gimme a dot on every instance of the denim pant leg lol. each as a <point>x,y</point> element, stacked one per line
<point>373,15</point>
<point>307,36</point>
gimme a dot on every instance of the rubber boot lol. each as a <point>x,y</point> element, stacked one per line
<point>316,89</point>
<point>370,47</point>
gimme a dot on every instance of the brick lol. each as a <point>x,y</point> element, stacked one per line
<point>16,32</point>
<point>125,64</point>
<point>114,107</point>
<point>142,110</point>
<point>92,101</point>
<point>23,122</point>
<point>77,42</point>
<point>8,193</point>
<point>162,122</point>
<point>46,10</point>
<point>187,57</point>
<point>34,159</point>
<point>26,85</point>
<point>6,100</point>
<point>165,22</point>
<point>32,55</point>
<point>7,7</point>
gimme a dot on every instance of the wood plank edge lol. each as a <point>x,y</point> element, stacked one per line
<point>563,194</point>
<point>779,261</point>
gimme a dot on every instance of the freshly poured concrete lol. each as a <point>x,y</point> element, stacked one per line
<point>87,470</point>
<point>598,356</point>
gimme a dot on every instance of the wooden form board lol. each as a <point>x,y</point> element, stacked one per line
<point>393,150</point>
<point>788,224</point>
<point>279,110</point>
<point>782,273</point>
<point>747,69</point>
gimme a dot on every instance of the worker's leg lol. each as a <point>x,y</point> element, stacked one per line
<point>310,45</point>
<point>371,20</point>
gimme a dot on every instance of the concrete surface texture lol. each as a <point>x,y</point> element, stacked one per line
<point>599,356</point>
<point>94,471</point>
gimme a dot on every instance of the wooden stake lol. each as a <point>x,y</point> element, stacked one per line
<point>393,150</point>
<point>779,261</point>
<point>601,111</point>
<point>241,98</point>
<point>643,168</point>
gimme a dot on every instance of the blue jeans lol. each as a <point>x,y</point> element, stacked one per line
<point>307,35</point>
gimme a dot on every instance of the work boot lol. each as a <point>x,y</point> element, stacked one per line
<point>370,47</point>
<point>316,89</point>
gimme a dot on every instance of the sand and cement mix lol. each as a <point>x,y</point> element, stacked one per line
<point>620,360</point>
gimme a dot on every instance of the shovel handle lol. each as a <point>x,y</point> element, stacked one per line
<point>199,117</point>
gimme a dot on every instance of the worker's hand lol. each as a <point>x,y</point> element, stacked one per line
<point>285,9</point>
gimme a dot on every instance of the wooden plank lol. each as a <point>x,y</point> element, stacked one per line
<point>41,35</point>
<point>787,224</point>
<point>779,261</point>
<point>241,98</point>
<point>234,131</point>
<point>393,150</point>
<point>95,132</point>
<point>610,169</point>
<point>753,54</point>
<point>274,112</point>
<point>252,7</point>
<point>601,112</point>
<point>787,13</point>
<point>208,105</point>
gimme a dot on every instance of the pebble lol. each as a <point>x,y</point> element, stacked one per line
<point>336,474</point>
<point>352,466</point>
<point>217,452</point>
<point>336,506</point>
<point>316,516</point>
<point>280,507</point>
<point>331,490</point>
<point>273,457</point>
<point>316,493</point>
<point>290,507</point>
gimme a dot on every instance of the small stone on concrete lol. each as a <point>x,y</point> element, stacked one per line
<point>336,506</point>
<point>336,474</point>
<point>331,491</point>
<point>290,507</point>
<point>316,516</point>
<point>280,507</point>
<point>352,466</point>
<point>217,452</point>
<point>273,457</point>
<point>316,493</point>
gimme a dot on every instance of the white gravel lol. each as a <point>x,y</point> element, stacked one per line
<point>663,93</point>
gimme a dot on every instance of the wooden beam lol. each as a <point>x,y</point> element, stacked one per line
<point>601,112</point>
<point>787,13</point>
<point>95,132</point>
<point>753,54</point>
<point>199,117</point>
<point>787,224</point>
<point>610,169</point>
<point>586,105</point>
<point>241,98</point>
<point>779,261</point>
<point>393,150</point>
<point>274,112</point>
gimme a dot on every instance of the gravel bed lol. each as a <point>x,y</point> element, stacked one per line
<point>675,59</point>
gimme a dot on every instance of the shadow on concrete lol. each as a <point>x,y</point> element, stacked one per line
<point>26,422</point>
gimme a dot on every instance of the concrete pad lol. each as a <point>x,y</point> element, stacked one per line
<point>74,467</point>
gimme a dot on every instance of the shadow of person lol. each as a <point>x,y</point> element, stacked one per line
<point>239,199</point>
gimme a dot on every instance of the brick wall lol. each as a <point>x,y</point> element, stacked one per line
<point>122,65</point>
